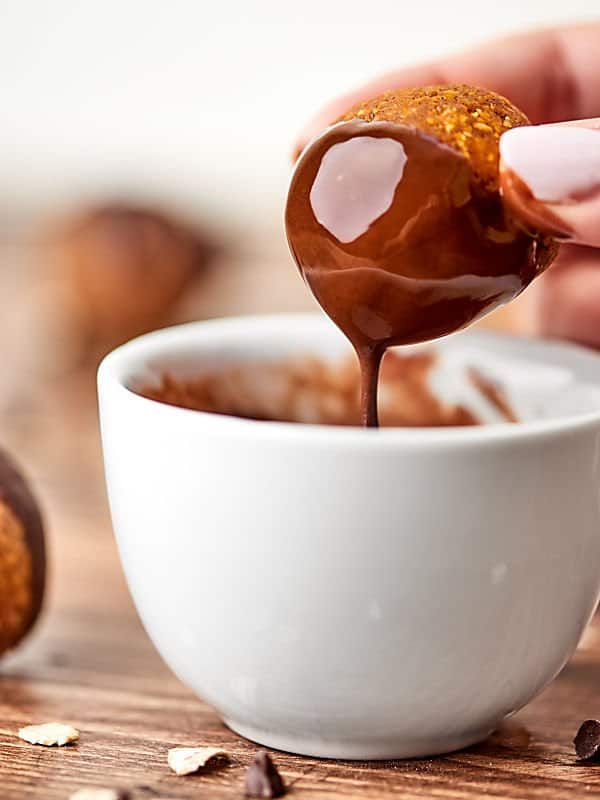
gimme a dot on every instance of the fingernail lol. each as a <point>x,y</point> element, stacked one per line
<point>558,163</point>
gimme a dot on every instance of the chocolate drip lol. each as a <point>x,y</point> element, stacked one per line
<point>370,363</point>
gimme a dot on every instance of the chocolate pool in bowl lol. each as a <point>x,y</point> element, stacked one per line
<point>341,592</point>
<point>418,389</point>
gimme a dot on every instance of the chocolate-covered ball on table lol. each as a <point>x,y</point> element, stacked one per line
<point>395,219</point>
<point>121,269</point>
<point>22,555</point>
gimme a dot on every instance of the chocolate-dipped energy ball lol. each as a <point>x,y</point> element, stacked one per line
<point>122,268</point>
<point>395,219</point>
<point>22,555</point>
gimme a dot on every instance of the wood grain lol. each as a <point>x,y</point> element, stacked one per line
<point>89,663</point>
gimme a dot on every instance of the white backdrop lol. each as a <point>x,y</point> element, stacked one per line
<point>198,102</point>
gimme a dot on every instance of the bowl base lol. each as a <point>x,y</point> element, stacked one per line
<point>379,750</point>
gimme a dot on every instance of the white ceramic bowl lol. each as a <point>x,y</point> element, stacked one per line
<point>341,592</point>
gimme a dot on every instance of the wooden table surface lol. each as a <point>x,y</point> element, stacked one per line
<point>90,663</point>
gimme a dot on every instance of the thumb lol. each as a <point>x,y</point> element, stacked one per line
<point>550,178</point>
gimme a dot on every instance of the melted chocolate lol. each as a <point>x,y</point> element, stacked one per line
<point>307,390</point>
<point>397,242</point>
<point>532,215</point>
<point>494,394</point>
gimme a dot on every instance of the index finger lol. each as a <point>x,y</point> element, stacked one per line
<point>551,74</point>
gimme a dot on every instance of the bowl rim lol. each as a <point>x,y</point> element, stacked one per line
<point>118,367</point>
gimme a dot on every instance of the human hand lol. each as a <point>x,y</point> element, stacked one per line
<point>554,76</point>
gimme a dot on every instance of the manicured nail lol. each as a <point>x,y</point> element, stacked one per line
<point>558,163</point>
<point>550,179</point>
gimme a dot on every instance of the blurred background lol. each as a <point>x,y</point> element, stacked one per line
<point>195,105</point>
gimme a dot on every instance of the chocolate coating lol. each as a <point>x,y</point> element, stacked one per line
<point>389,236</point>
<point>530,213</point>
<point>401,236</point>
<point>22,555</point>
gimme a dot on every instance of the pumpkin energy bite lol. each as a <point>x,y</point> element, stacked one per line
<point>395,219</point>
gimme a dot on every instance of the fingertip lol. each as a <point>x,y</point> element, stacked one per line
<point>550,177</point>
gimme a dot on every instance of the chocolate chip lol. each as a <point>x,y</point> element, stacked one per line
<point>587,740</point>
<point>101,794</point>
<point>263,779</point>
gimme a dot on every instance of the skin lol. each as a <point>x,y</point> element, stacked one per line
<point>554,76</point>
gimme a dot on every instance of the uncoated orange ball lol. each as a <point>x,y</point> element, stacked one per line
<point>22,555</point>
